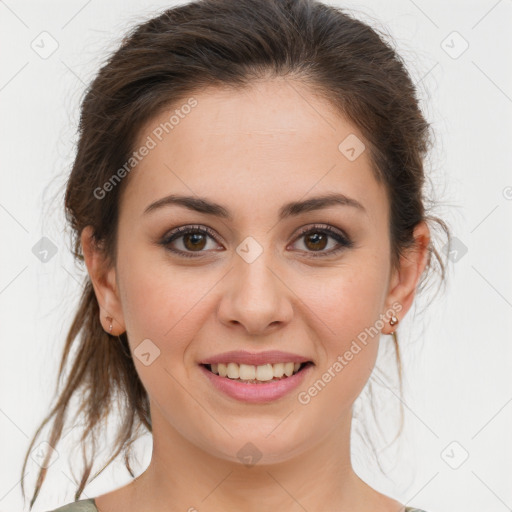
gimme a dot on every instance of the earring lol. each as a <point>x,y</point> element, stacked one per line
<point>110,326</point>
<point>393,320</point>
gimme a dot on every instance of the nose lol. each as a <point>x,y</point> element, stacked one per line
<point>255,297</point>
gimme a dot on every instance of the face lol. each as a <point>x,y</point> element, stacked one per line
<point>306,281</point>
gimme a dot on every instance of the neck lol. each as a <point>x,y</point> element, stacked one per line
<point>184,476</point>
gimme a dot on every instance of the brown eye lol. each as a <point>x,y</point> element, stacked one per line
<point>316,239</point>
<point>193,239</point>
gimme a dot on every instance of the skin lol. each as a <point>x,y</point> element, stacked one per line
<point>252,151</point>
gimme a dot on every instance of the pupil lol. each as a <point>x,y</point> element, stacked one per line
<point>196,237</point>
<point>318,238</point>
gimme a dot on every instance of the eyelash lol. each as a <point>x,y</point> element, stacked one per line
<point>343,240</point>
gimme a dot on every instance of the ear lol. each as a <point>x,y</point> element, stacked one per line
<point>405,279</point>
<point>103,279</point>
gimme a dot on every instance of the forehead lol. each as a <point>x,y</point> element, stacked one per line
<point>263,145</point>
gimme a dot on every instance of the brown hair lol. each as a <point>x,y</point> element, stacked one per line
<point>224,43</point>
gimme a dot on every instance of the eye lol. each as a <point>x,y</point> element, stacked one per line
<point>315,239</point>
<point>194,239</point>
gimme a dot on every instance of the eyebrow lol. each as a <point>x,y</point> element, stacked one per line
<point>294,208</point>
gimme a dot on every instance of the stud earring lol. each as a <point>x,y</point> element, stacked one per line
<point>110,326</point>
<point>393,320</point>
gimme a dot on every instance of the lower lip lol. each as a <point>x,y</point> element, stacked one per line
<point>257,393</point>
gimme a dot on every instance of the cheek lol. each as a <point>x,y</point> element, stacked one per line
<point>162,302</point>
<point>347,309</point>
<point>349,300</point>
<point>166,306</point>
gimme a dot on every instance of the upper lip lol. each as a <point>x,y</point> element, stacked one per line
<point>255,358</point>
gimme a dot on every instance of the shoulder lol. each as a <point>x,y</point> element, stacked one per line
<point>78,506</point>
<point>89,506</point>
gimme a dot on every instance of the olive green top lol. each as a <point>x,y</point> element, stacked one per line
<point>78,506</point>
<point>89,506</point>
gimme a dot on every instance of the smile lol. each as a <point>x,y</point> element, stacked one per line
<point>255,374</point>
<point>259,384</point>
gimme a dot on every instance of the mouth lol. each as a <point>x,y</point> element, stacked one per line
<point>257,374</point>
<point>260,384</point>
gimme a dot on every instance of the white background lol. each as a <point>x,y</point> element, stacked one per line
<point>457,353</point>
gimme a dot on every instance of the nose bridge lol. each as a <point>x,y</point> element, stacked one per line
<point>255,296</point>
<point>254,272</point>
<point>253,277</point>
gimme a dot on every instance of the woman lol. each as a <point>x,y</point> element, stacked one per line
<point>247,198</point>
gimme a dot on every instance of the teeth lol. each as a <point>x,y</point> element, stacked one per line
<point>233,371</point>
<point>250,372</point>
